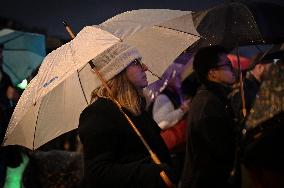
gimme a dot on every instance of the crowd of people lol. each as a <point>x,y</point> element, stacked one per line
<point>195,133</point>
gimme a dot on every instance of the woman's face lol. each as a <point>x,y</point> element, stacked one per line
<point>135,73</point>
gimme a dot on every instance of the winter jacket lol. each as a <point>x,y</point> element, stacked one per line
<point>114,156</point>
<point>210,140</point>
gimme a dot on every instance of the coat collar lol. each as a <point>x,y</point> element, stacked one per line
<point>221,90</point>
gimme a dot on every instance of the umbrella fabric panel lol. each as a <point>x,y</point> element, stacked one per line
<point>228,24</point>
<point>27,41</point>
<point>24,133</point>
<point>67,59</point>
<point>16,65</point>
<point>148,30</point>
<point>155,53</point>
<point>60,111</point>
<point>128,23</point>
<point>22,53</point>
<point>8,34</point>
<point>23,106</point>
<point>236,24</point>
<point>183,23</point>
<point>57,111</point>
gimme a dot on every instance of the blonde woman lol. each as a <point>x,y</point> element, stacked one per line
<point>114,156</point>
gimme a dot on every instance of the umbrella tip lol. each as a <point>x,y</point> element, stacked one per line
<point>64,23</point>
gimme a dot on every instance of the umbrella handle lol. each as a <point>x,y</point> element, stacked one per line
<point>68,29</point>
<point>154,157</point>
<point>244,110</point>
<point>163,174</point>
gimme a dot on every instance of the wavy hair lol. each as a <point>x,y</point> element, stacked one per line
<point>123,91</point>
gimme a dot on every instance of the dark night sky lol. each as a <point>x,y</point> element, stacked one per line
<point>49,14</point>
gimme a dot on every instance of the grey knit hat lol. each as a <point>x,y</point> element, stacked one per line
<point>115,59</point>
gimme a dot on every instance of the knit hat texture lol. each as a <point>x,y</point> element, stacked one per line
<point>115,59</point>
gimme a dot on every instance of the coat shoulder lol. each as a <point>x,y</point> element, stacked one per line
<point>100,106</point>
<point>210,104</point>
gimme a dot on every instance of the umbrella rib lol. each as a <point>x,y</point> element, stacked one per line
<point>36,125</point>
<point>82,87</point>
<point>180,31</point>
<point>12,39</point>
<point>79,78</point>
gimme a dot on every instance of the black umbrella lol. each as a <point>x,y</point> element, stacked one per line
<point>236,24</point>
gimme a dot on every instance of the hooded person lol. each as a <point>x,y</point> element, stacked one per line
<point>114,156</point>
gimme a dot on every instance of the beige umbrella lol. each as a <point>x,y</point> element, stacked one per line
<point>160,35</point>
<point>53,101</point>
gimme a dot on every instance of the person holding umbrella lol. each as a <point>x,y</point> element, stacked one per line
<point>113,155</point>
<point>212,131</point>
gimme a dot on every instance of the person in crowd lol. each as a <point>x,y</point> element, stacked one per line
<point>114,156</point>
<point>212,131</point>
<point>34,169</point>
<point>257,73</point>
<point>169,111</point>
<point>19,169</point>
<point>169,106</point>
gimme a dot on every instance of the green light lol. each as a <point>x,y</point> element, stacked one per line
<point>14,175</point>
<point>23,84</point>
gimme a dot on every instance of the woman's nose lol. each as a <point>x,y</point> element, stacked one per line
<point>144,67</point>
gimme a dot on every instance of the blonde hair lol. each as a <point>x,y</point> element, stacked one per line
<point>123,91</point>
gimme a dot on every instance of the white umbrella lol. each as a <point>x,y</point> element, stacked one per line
<point>160,35</point>
<point>53,101</point>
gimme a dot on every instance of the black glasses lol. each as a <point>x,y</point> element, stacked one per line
<point>136,62</point>
<point>227,64</point>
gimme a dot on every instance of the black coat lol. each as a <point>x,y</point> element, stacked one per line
<point>114,156</point>
<point>211,139</point>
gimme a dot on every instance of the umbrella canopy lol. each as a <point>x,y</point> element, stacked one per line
<point>236,24</point>
<point>244,62</point>
<point>54,99</point>
<point>160,35</point>
<point>22,53</point>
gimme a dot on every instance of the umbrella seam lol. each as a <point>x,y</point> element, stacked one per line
<point>36,124</point>
<point>78,76</point>
<point>13,38</point>
<point>179,31</point>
